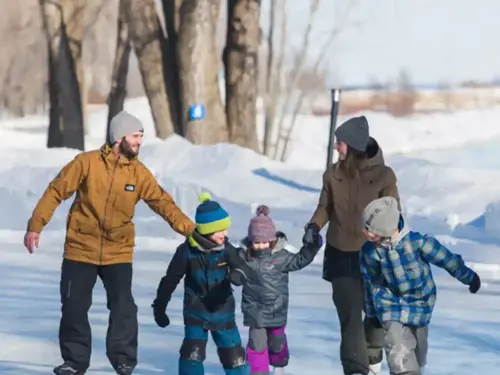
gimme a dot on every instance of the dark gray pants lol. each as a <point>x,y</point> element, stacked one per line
<point>405,348</point>
<point>361,344</point>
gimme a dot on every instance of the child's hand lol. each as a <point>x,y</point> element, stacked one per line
<point>161,317</point>
<point>237,277</point>
<point>313,239</point>
<point>311,232</point>
<point>475,284</point>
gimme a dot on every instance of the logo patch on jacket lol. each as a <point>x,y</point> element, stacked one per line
<point>129,187</point>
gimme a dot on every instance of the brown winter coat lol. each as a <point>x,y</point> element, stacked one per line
<point>342,200</point>
<point>99,225</point>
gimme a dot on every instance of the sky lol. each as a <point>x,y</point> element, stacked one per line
<point>436,41</point>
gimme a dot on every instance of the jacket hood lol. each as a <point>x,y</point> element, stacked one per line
<point>374,153</point>
<point>108,155</point>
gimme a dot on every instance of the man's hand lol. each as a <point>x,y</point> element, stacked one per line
<point>31,240</point>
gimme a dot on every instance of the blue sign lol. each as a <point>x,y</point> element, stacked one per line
<point>196,112</point>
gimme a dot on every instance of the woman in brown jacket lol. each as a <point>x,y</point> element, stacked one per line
<point>359,177</point>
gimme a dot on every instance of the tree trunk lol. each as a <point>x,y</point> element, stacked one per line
<point>147,38</point>
<point>241,61</point>
<point>270,96</point>
<point>199,68</point>
<point>118,92</point>
<point>64,86</point>
<point>219,130</point>
<point>171,61</point>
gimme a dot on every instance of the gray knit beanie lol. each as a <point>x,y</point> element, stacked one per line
<point>381,216</point>
<point>123,124</point>
<point>354,132</point>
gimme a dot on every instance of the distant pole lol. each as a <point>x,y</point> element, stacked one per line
<point>335,95</point>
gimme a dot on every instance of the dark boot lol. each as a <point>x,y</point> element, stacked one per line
<point>124,370</point>
<point>66,369</point>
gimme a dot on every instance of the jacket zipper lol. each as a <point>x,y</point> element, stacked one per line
<point>105,210</point>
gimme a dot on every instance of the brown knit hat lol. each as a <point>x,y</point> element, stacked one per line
<point>261,227</point>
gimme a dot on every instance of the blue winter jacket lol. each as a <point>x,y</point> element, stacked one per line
<point>398,279</point>
<point>208,296</point>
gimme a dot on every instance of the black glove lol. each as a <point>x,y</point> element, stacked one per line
<point>312,237</point>
<point>161,317</point>
<point>475,284</point>
<point>237,277</point>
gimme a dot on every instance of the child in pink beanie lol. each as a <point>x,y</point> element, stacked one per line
<point>265,297</point>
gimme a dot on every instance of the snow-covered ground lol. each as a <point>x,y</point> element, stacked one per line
<point>447,166</point>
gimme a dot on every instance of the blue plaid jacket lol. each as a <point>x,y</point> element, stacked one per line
<point>398,279</point>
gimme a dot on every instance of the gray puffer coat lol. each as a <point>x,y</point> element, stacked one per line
<point>265,296</point>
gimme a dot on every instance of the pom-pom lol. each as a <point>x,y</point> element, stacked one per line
<point>262,210</point>
<point>204,196</point>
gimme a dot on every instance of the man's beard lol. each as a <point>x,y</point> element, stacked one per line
<point>126,150</point>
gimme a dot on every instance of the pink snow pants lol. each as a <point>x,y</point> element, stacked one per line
<point>267,346</point>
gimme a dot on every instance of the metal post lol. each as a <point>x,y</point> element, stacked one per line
<point>335,94</point>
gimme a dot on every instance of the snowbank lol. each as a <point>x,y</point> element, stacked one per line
<point>436,197</point>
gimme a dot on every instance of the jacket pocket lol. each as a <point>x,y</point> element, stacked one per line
<point>124,235</point>
<point>83,227</point>
<point>273,306</point>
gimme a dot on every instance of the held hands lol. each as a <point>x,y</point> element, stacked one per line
<point>475,284</point>
<point>161,317</point>
<point>312,237</point>
<point>31,240</point>
<point>237,277</point>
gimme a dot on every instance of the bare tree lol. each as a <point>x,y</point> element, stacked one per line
<point>147,37</point>
<point>198,71</point>
<point>294,106</point>
<point>241,62</point>
<point>63,25</point>
<point>274,73</point>
<point>171,10</point>
<point>118,91</point>
<point>404,100</point>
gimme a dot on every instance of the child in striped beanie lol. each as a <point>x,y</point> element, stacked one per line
<point>205,261</point>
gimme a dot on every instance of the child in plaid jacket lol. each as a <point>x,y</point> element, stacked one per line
<point>399,288</point>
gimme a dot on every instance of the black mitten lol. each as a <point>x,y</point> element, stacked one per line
<point>237,277</point>
<point>475,284</point>
<point>310,234</point>
<point>161,317</point>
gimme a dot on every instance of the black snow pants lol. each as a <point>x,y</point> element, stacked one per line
<point>77,284</point>
<point>361,344</point>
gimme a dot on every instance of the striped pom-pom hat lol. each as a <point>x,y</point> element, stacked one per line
<point>210,216</point>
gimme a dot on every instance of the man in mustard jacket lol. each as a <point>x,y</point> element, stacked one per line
<point>100,239</point>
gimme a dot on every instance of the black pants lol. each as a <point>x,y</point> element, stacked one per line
<point>77,284</point>
<point>361,343</point>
